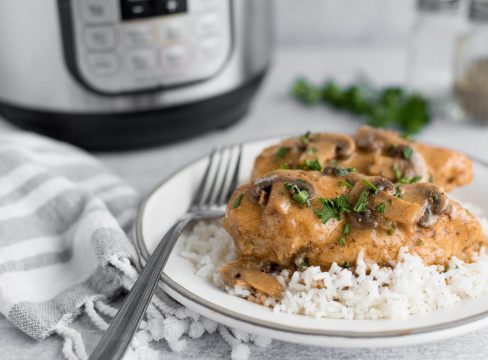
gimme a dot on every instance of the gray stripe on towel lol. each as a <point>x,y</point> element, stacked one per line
<point>35,262</point>
<point>55,217</point>
<point>25,188</point>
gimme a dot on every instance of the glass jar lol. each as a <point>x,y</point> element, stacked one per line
<point>431,46</point>
<point>471,65</point>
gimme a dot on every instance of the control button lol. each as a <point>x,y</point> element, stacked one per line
<point>100,38</point>
<point>175,55</point>
<point>103,64</point>
<point>209,47</point>
<point>134,9</point>
<point>173,30</point>
<point>141,61</point>
<point>138,35</point>
<point>207,24</point>
<point>98,11</point>
<point>165,7</point>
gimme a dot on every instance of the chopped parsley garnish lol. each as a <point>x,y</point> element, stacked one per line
<point>396,173</point>
<point>345,231</point>
<point>305,138</point>
<point>346,184</point>
<point>312,165</point>
<point>345,265</point>
<point>362,201</point>
<point>370,185</point>
<point>301,197</point>
<point>420,243</point>
<point>333,208</point>
<point>381,208</point>
<point>411,180</point>
<point>237,201</point>
<point>398,192</point>
<point>435,197</point>
<point>282,151</point>
<point>301,263</point>
<point>338,171</point>
<point>399,178</point>
<point>284,166</point>
<point>407,152</point>
<point>345,171</point>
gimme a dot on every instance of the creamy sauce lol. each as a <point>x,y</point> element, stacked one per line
<point>292,216</point>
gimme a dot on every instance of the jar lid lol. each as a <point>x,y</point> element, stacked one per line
<point>478,10</point>
<point>437,5</point>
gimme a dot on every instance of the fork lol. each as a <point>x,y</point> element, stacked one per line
<point>215,189</point>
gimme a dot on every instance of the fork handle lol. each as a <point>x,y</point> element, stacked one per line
<point>115,341</point>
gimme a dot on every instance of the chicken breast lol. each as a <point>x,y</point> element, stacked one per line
<point>372,152</point>
<point>290,217</point>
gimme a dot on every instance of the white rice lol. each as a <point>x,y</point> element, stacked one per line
<point>382,292</point>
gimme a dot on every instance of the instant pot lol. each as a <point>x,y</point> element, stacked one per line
<point>115,74</point>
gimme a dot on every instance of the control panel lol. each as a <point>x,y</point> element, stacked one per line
<point>120,46</point>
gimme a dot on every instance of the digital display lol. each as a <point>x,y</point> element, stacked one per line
<point>136,9</point>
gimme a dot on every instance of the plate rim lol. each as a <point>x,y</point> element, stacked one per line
<point>165,280</point>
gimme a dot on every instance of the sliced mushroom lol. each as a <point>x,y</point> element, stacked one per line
<point>418,167</point>
<point>396,209</point>
<point>399,151</point>
<point>392,152</point>
<point>373,139</point>
<point>370,139</point>
<point>248,274</point>
<point>368,217</point>
<point>383,184</point>
<point>364,219</point>
<point>431,197</point>
<point>392,167</point>
<point>428,219</point>
<point>344,145</point>
<point>262,187</point>
<point>337,171</point>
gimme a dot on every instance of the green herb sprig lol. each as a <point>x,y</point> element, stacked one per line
<point>399,178</point>
<point>282,151</point>
<point>298,195</point>
<point>237,201</point>
<point>345,231</point>
<point>362,201</point>
<point>370,185</point>
<point>381,208</point>
<point>301,263</point>
<point>346,184</point>
<point>312,165</point>
<point>333,208</point>
<point>407,152</point>
<point>387,107</point>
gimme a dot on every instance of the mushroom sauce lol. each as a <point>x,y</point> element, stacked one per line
<point>323,198</point>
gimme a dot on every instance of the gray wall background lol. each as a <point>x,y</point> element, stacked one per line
<point>331,22</point>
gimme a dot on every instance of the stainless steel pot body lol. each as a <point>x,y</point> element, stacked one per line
<point>52,54</point>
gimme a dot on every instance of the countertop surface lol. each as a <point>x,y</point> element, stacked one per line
<point>273,113</point>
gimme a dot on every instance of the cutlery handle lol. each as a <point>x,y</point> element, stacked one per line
<point>115,341</point>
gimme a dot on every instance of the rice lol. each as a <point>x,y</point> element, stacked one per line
<point>366,292</point>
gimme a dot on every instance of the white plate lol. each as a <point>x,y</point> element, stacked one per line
<point>171,199</point>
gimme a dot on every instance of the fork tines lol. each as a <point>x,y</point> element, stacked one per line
<point>220,178</point>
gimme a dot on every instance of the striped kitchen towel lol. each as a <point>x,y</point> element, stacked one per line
<point>65,249</point>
